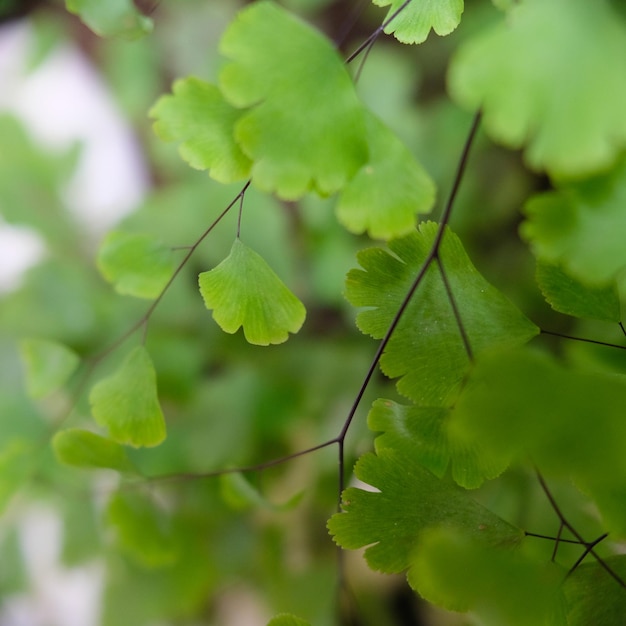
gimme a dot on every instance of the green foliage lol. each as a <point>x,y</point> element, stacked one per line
<point>111,18</point>
<point>291,157</point>
<point>413,24</point>
<point>426,350</point>
<point>197,115</point>
<point>244,291</point>
<point>137,265</point>
<point>579,225</point>
<point>285,619</point>
<point>556,109</point>
<point>126,402</point>
<point>228,510</point>
<point>82,448</point>
<point>48,365</point>
<point>451,570</point>
<point>409,500</point>
<point>567,295</point>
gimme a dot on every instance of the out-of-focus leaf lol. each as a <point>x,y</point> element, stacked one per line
<point>453,571</point>
<point>18,460</point>
<point>48,365</point>
<point>593,596</point>
<point>580,226</point>
<point>558,110</point>
<point>111,18</point>
<point>82,448</point>
<point>567,295</point>
<point>137,264</point>
<point>143,530</point>
<point>285,619</point>
<point>244,291</point>
<point>127,404</point>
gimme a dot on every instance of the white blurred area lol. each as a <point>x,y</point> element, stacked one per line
<point>61,102</point>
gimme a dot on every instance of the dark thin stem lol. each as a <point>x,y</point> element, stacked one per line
<point>258,467</point>
<point>558,538</point>
<point>576,534</point>
<point>455,310</point>
<point>376,34</point>
<point>588,548</point>
<point>622,327</point>
<point>557,542</point>
<point>594,341</point>
<point>445,218</point>
<point>146,316</point>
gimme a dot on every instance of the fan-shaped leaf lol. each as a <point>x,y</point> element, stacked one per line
<point>540,78</point>
<point>48,365</point>
<point>244,291</point>
<point>581,225</point>
<point>127,404</point>
<point>197,115</point>
<point>137,264</point>
<point>111,18</point>
<point>567,295</point>
<point>305,129</point>
<point>410,500</point>
<point>415,21</point>
<point>82,448</point>
<point>427,350</point>
<point>422,432</point>
<point>389,190</point>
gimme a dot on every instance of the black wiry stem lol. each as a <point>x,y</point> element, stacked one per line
<point>583,339</point>
<point>589,546</point>
<point>378,32</point>
<point>455,310</point>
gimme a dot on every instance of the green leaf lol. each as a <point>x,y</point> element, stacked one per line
<point>410,500</point>
<point>127,404</point>
<point>143,530</point>
<point>558,109</point>
<point>522,403</point>
<point>422,432</point>
<point>389,190</point>
<point>244,291</point>
<point>48,365</point>
<point>18,461</point>
<point>137,264</point>
<point>426,350</point>
<point>593,596</point>
<point>286,619</point>
<point>305,127</point>
<point>111,18</point>
<point>580,225</point>
<point>197,115</point>
<point>567,295</point>
<point>239,493</point>
<point>413,24</point>
<point>82,448</point>
<point>460,574</point>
